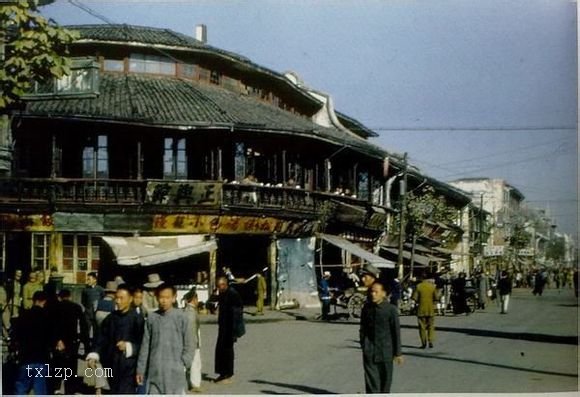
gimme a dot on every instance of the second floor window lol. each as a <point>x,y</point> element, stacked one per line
<point>96,158</point>
<point>141,63</point>
<point>174,159</point>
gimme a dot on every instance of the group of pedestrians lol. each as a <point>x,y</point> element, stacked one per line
<point>131,344</point>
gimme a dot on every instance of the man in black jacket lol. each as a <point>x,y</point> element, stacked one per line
<point>67,319</point>
<point>504,286</point>
<point>380,339</point>
<point>118,343</point>
<point>230,323</point>
<point>33,347</point>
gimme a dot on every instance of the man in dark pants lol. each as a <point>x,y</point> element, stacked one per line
<point>67,319</point>
<point>90,298</point>
<point>118,343</point>
<point>380,339</point>
<point>230,328</point>
<point>33,347</point>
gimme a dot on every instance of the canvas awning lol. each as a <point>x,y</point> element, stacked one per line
<point>355,250</point>
<point>417,259</point>
<point>147,251</point>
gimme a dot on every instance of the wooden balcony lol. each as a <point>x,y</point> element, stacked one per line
<point>160,196</point>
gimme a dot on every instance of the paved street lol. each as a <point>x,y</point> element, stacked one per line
<point>532,349</point>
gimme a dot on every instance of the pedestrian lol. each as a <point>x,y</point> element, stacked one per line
<point>29,289</point>
<point>426,296</point>
<point>14,292</point>
<point>149,297</point>
<point>190,310</point>
<point>324,294</point>
<point>118,342</point>
<point>167,347</point>
<point>230,328</point>
<point>575,281</point>
<point>261,290</point>
<point>90,297</point>
<point>369,275</point>
<point>458,295</point>
<point>539,283</point>
<point>482,288</point>
<point>106,305</point>
<point>33,343</point>
<point>380,339</point>
<point>69,329</point>
<point>504,286</point>
<point>138,303</point>
<point>396,291</point>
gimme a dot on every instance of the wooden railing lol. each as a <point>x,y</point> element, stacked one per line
<point>150,193</point>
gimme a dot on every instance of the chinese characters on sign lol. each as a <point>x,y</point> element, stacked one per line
<point>207,194</point>
<point>227,224</point>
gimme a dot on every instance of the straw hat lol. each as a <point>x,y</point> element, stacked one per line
<point>111,286</point>
<point>153,281</point>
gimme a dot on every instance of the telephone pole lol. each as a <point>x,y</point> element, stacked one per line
<point>403,214</point>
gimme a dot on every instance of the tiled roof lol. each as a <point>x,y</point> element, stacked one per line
<point>175,102</point>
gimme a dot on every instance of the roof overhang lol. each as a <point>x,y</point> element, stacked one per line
<point>357,251</point>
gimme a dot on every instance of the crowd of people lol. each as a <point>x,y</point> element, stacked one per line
<point>120,339</point>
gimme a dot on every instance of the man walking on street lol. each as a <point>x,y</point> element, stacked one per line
<point>426,296</point>
<point>118,342</point>
<point>380,340</point>
<point>324,292</point>
<point>504,287</point>
<point>230,322</point>
<point>190,310</point>
<point>167,348</point>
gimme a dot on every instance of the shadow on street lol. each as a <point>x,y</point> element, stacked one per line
<point>527,336</point>
<point>300,388</point>
<point>425,355</point>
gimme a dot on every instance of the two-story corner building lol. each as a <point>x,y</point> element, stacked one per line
<point>160,153</point>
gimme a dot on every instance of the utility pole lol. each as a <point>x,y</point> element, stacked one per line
<point>481,230</point>
<point>403,194</point>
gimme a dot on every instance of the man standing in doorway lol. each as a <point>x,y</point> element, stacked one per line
<point>426,295</point>
<point>230,321</point>
<point>380,339</point>
<point>167,348</point>
<point>261,290</point>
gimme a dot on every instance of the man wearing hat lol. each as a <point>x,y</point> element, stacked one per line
<point>368,275</point>
<point>106,305</point>
<point>149,299</point>
<point>325,295</point>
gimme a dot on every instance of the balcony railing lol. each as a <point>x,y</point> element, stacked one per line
<point>179,194</point>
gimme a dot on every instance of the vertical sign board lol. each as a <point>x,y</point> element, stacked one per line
<point>296,276</point>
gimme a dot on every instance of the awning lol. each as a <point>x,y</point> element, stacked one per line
<point>147,251</point>
<point>354,249</point>
<point>418,259</point>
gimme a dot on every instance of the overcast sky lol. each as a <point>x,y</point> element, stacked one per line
<point>418,72</point>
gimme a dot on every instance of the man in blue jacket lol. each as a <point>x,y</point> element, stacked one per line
<point>380,339</point>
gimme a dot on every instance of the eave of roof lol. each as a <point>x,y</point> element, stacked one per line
<point>177,103</point>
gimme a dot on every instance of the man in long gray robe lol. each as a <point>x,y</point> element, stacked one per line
<point>168,347</point>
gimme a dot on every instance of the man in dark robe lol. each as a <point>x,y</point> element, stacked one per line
<point>230,322</point>
<point>119,341</point>
<point>67,319</point>
<point>380,339</point>
<point>33,347</point>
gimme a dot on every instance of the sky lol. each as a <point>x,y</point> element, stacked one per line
<point>467,89</point>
